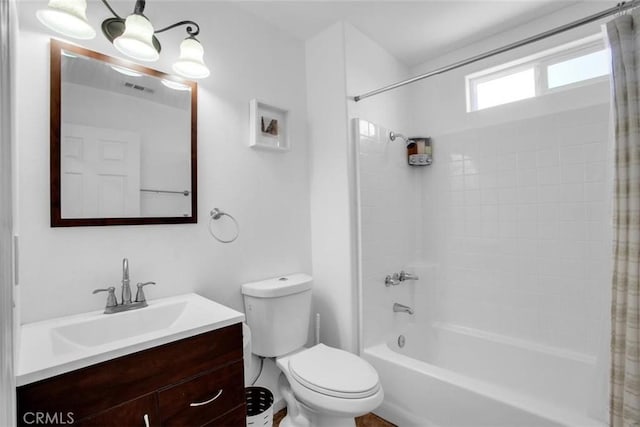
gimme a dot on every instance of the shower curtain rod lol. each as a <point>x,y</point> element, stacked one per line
<point>619,8</point>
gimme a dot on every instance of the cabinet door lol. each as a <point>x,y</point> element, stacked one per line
<point>136,413</point>
<point>204,398</point>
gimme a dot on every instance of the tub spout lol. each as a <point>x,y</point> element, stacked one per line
<point>400,308</point>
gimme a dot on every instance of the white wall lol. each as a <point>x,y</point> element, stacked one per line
<point>342,62</point>
<point>331,228</point>
<point>267,192</point>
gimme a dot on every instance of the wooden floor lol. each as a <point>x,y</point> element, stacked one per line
<point>369,420</point>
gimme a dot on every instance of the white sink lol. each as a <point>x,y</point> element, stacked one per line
<point>113,327</point>
<point>64,344</point>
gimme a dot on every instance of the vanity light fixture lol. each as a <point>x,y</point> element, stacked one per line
<point>134,35</point>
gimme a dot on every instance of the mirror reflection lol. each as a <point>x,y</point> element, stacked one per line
<point>126,144</point>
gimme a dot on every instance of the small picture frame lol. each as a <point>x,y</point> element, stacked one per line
<point>269,127</point>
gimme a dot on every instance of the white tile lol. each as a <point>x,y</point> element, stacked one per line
<point>488,180</point>
<point>471,167</point>
<point>472,197</point>
<point>547,158</point>
<point>573,173</point>
<point>508,229</point>
<point>595,191</point>
<point>506,161</point>
<point>549,194</point>
<point>527,230</point>
<point>573,231</point>
<point>527,213</point>
<point>528,195</point>
<point>527,177</point>
<point>507,196</point>
<point>526,160</point>
<point>548,230</point>
<point>597,212</point>
<point>595,172</point>
<point>548,212</point>
<point>506,178</point>
<point>489,196</point>
<point>456,183</point>
<point>456,168</point>
<point>471,182</point>
<point>572,212</point>
<point>596,152</point>
<point>508,212</point>
<point>573,154</point>
<point>549,175</point>
<point>572,192</point>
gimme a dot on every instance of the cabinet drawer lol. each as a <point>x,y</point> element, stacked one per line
<point>235,418</point>
<point>130,414</point>
<point>204,398</point>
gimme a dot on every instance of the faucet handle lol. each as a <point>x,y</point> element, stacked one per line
<point>140,293</point>
<point>392,280</point>
<point>111,298</point>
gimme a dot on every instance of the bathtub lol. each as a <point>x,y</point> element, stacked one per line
<point>452,376</point>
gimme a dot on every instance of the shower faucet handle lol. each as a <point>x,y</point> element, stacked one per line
<point>392,280</point>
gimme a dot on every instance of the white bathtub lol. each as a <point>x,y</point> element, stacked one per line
<point>450,376</point>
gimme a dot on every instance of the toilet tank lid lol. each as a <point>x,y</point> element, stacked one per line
<point>278,286</point>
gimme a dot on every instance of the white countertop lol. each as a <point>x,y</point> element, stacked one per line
<point>55,346</point>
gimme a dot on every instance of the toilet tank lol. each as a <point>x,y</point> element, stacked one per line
<point>278,312</point>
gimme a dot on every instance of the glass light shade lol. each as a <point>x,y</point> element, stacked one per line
<point>137,39</point>
<point>67,17</point>
<point>190,64</point>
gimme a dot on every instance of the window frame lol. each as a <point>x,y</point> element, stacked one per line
<point>540,62</point>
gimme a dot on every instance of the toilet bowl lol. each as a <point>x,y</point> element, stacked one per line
<point>327,387</point>
<point>322,386</point>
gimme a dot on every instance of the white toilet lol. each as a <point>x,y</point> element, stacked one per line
<point>323,386</point>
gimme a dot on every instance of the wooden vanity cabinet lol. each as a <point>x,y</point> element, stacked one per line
<point>196,381</point>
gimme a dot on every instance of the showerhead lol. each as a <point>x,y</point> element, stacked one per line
<point>393,136</point>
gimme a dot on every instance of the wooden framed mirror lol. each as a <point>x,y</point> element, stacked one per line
<point>123,142</point>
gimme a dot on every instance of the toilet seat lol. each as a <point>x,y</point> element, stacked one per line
<point>333,372</point>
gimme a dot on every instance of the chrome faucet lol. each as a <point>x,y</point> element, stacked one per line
<point>126,288</point>
<point>125,304</point>
<point>406,276</point>
<point>400,308</point>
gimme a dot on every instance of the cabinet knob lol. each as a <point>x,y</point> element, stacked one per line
<point>146,420</point>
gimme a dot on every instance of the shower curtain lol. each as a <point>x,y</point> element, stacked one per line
<point>624,40</point>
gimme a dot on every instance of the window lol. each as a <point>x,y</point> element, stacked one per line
<point>575,64</point>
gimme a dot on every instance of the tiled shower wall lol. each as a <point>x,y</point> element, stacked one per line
<point>390,207</point>
<point>518,223</point>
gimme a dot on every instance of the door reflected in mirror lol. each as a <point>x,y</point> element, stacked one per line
<point>123,142</point>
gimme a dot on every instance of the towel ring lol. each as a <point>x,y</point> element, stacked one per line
<point>216,214</point>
